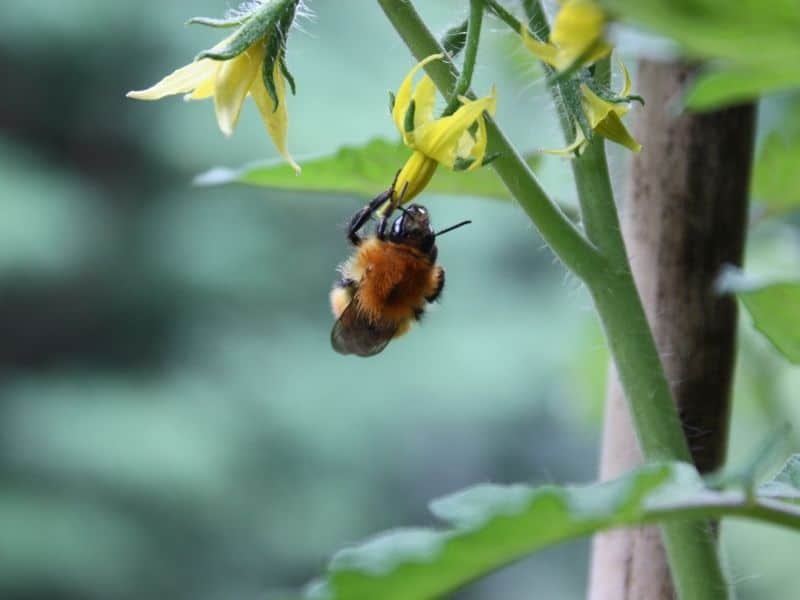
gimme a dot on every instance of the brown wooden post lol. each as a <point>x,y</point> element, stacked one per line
<point>684,216</point>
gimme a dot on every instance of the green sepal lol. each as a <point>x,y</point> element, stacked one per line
<point>455,38</point>
<point>287,75</point>
<point>490,158</point>
<point>217,23</point>
<point>392,100</point>
<point>262,22</point>
<point>462,164</point>
<point>408,121</point>
<point>604,93</point>
<point>268,69</point>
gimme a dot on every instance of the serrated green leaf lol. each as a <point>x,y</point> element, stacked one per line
<point>786,484</point>
<point>363,170</point>
<point>774,308</point>
<point>493,525</point>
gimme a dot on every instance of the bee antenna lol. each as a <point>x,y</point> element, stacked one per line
<point>456,226</point>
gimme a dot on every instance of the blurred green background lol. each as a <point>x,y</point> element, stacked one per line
<point>173,422</point>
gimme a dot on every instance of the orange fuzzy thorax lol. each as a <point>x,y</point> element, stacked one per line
<point>393,280</point>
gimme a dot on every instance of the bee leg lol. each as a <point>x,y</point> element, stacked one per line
<point>418,312</point>
<point>362,216</point>
<point>439,287</point>
<point>384,220</point>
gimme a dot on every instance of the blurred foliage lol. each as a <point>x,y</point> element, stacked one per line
<point>773,308</point>
<point>776,180</point>
<point>755,43</point>
<point>364,170</point>
<point>173,423</point>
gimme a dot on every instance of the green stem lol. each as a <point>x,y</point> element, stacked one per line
<point>556,229</point>
<point>690,545</point>
<point>464,80</point>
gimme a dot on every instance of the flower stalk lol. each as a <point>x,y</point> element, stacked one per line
<point>601,262</point>
<point>464,80</point>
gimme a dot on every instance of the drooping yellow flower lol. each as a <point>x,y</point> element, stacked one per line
<point>457,141</point>
<point>577,34</point>
<point>229,82</point>
<point>605,118</point>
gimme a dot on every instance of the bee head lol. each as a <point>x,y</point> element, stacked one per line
<point>413,227</point>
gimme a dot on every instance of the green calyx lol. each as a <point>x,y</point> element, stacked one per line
<point>269,19</point>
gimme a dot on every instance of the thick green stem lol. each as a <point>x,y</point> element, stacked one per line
<point>563,237</point>
<point>464,80</point>
<point>690,545</point>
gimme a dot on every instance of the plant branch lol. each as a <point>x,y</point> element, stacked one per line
<point>690,545</point>
<point>568,243</point>
<point>464,80</point>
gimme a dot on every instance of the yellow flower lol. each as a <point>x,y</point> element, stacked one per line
<point>577,35</point>
<point>605,119</point>
<point>457,141</point>
<point>230,82</point>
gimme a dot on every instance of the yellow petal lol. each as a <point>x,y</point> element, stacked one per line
<point>276,119</point>
<point>595,107</point>
<point>576,146</point>
<point>234,79</point>
<point>577,26</point>
<point>424,100</point>
<point>439,139</point>
<point>204,90</point>
<point>613,129</point>
<point>478,151</point>
<point>413,177</point>
<point>403,97</point>
<point>180,81</point>
<point>544,52</point>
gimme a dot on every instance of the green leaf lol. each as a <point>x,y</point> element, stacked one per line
<point>718,88</point>
<point>490,526</point>
<point>774,308</point>
<point>756,42</point>
<point>786,484</point>
<point>363,170</point>
<point>776,178</point>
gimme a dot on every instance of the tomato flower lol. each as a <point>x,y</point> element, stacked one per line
<point>248,63</point>
<point>457,141</point>
<point>576,37</point>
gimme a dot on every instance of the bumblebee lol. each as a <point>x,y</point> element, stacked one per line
<point>388,281</point>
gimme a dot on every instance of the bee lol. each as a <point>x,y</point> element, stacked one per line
<point>388,281</point>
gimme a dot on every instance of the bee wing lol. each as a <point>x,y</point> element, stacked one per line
<point>353,333</point>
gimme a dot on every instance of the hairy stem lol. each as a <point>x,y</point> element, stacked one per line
<point>690,545</point>
<point>464,80</point>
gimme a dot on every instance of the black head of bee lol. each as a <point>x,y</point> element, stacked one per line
<point>413,228</point>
